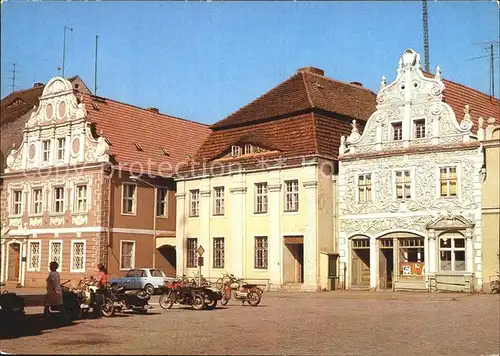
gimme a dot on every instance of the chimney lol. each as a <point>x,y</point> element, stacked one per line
<point>154,110</point>
<point>311,70</point>
<point>358,84</point>
<point>36,85</point>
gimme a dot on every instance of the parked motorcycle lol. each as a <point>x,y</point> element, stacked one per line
<point>86,299</point>
<point>180,292</point>
<point>11,305</point>
<point>133,300</point>
<point>240,290</point>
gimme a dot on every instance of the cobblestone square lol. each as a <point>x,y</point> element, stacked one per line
<point>332,323</point>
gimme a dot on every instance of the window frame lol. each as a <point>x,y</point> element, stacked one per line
<point>72,255</point>
<point>46,151</point>
<point>132,255</point>
<point>365,186</point>
<point>292,193</point>
<point>415,128</point>
<point>78,198</point>
<point>191,201</point>
<point>221,199</point>
<point>55,199</point>
<point>219,253</point>
<point>452,249</point>
<point>236,151</point>
<point>133,198</point>
<point>51,242</point>
<point>248,149</point>
<point>264,196</point>
<point>262,249</point>
<point>412,185</point>
<point>393,130</point>
<point>61,149</point>
<point>29,266</point>
<point>191,250</point>
<point>34,202</point>
<point>163,202</point>
<point>457,180</point>
<point>15,203</point>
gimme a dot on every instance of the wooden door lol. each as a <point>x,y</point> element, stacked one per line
<point>382,270</point>
<point>14,262</point>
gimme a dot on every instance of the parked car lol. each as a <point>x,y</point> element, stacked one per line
<point>149,279</point>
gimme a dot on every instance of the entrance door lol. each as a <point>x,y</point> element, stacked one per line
<point>293,260</point>
<point>386,263</point>
<point>360,262</point>
<point>169,261</point>
<point>14,262</point>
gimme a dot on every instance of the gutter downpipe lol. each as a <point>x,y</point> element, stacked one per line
<point>108,244</point>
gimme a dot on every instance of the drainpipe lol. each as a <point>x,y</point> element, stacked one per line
<point>108,228</point>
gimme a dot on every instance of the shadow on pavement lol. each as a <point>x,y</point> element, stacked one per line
<point>28,325</point>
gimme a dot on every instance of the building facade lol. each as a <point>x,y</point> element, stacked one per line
<point>85,187</point>
<point>259,195</point>
<point>410,201</point>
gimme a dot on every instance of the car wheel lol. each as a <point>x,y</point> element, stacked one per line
<point>149,289</point>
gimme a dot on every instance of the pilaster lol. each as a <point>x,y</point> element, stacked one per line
<point>469,250</point>
<point>204,235</point>
<point>311,258</point>
<point>373,263</point>
<point>432,259</point>
<point>238,195</point>
<point>180,239</point>
<point>275,255</point>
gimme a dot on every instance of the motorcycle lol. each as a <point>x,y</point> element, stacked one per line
<point>134,300</point>
<point>239,290</point>
<point>85,299</point>
<point>180,292</point>
<point>11,305</point>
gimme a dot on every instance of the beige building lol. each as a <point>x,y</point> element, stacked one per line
<point>259,195</point>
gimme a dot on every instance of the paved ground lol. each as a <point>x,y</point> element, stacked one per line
<point>330,323</point>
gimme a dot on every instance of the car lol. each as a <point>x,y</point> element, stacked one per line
<point>149,279</point>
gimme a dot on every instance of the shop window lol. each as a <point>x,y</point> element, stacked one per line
<point>411,257</point>
<point>452,253</point>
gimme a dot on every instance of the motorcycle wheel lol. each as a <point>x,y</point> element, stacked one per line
<point>212,304</point>
<point>225,298</point>
<point>107,308</point>
<point>166,301</point>
<point>255,299</point>
<point>219,284</point>
<point>198,302</point>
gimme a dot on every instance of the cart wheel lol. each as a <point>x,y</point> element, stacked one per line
<point>254,299</point>
<point>198,302</point>
<point>166,301</point>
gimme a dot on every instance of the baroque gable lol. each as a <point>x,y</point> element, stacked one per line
<point>57,133</point>
<point>410,113</point>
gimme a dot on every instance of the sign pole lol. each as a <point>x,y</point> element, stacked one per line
<point>200,251</point>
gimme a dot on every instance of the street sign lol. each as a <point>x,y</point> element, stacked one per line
<point>200,261</point>
<point>200,250</point>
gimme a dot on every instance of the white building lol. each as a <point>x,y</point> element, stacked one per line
<point>410,190</point>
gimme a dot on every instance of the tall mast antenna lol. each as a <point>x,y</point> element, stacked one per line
<point>95,65</point>
<point>64,47</point>
<point>14,72</point>
<point>426,35</point>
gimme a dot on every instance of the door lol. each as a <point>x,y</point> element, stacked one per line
<point>129,280</point>
<point>14,262</point>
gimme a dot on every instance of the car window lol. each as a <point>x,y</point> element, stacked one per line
<point>141,273</point>
<point>131,273</point>
<point>155,273</point>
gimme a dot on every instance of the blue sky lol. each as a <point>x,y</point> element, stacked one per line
<point>204,60</point>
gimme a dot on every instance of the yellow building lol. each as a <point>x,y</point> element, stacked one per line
<point>259,195</point>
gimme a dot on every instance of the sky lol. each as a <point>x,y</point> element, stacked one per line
<point>204,60</point>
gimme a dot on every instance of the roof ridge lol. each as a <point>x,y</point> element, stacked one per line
<point>341,82</point>
<point>146,110</point>
<point>307,90</point>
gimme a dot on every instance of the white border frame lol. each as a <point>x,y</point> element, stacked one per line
<point>412,128</point>
<point>224,200</point>
<point>254,268</point>
<point>53,199</point>
<point>391,131</point>
<point>12,194</point>
<point>31,202</point>
<point>438,180</point>
<point>290,212</point>
<point>28,259</point>
<point>73,242</point>
<point>412,187</point>
<point>255,212</point>
<point>134,201</point>
<point>133,255</point>
<point>50,253</point>
<point>213,253</point>
<point>356,187</point>
<point>190,196</point>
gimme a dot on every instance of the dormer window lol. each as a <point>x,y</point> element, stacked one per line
<point>397,131</point>
<point>235,151</point>
<point>419,128</point>
<point>248,149</point>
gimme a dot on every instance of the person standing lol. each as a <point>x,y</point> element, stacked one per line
<point>54,296</point>
<point>102,277</point>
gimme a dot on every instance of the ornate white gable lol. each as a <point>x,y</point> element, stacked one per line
<point>411,104</point>
<point>57,133</point>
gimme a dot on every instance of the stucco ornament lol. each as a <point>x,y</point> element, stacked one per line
<point>466,123</point>
<point>57,220</point>
<point>79,220</point>
<point>36,221</point>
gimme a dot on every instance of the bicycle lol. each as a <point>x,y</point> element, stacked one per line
<point>225,279</point>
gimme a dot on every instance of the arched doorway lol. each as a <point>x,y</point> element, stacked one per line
<point>360,262</point>
<point>13,261</point>
<point>169,261</point>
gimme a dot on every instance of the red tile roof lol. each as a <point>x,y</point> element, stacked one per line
<point>308,89</point>
<point>126,125</point>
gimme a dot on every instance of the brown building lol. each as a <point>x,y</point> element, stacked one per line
<point>69,193</point>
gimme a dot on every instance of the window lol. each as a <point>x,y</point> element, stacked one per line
<point>127,254</point>
<point>37,201</point>
<point>452,253</point>
<point>34,255</point>
<point>81,198</point>
<point>58,200</point>
<point>192,245</point>
<point>248,149</point>
<point>235,151</point>
<point>17,202</point>
<point>55,252</point>
<point>77,256</point>
<point>161,202</point>
<point>403,185</point>
<point>219,201</point>
<point>261,252</point>
<point>364,188</point>
<point>46,150</point>
<point>448,181</point>
<point>419,128</point>
<point>156,273</point>
<point>128,198</point>
<point>61,147</point>
<point>292,195</point>
<point>194,201</point>
<point>397,131</point>
<point>218,252</point>
<point>261,198</point>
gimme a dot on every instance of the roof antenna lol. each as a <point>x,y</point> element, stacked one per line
<point>13,78</point>
<point>64,47</point>
<point>426,34</point>
<point>95,65</point>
